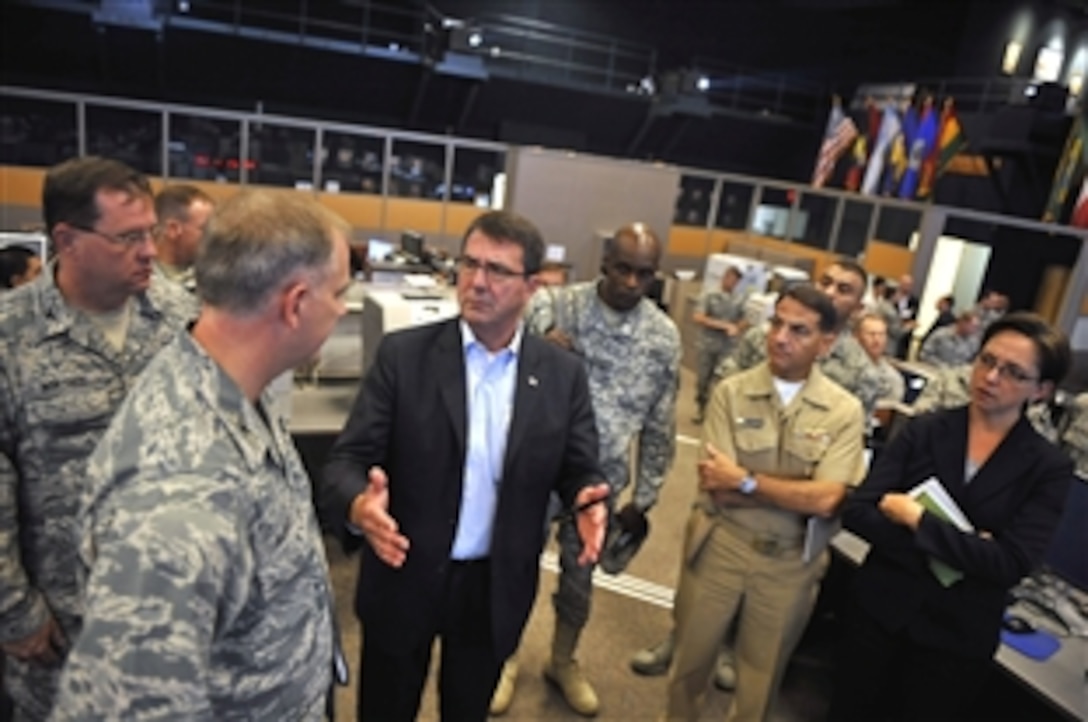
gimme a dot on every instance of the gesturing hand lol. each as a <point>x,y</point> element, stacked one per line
<point>370,512</point>
<point>592,521</point>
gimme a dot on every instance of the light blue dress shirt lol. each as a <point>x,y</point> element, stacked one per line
<point>489,397</point>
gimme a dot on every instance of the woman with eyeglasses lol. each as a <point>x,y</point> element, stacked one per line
<point>928,601</point>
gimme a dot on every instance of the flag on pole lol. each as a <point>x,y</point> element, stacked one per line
<point>1080,210</point>
<point>1072,160</point>
<point>862,145</point>
<point>950,141</point>
<point>898,155</point>
<point>889,129</point>
<point>840,133</point>
<point>925,138</point>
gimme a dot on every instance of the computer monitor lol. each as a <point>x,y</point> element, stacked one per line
<point>411,244</point>
<point>378,250</point>
<point>1068,553</point>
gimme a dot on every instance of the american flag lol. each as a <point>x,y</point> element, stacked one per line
<point>835,144</point>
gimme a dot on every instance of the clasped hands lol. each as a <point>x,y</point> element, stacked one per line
<point>370,512</point>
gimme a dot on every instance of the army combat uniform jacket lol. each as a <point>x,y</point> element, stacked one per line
<point>207,594</point>
<point>633,363</point>
<point>60,383</point>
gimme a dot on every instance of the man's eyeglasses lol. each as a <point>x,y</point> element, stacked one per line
<point>126,239</point>
<point>492,271</point>
<point>1008,372</point>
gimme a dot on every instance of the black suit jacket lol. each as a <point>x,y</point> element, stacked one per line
<point>410,419</point>
<point>1017,496</point>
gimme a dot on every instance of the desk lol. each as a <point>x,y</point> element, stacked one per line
<point>322,408</point>
<point>1059,681</point>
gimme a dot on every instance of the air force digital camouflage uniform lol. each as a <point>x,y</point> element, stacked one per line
<point>1075,436</point>
<point>633,363</point>
<point>60,383</point>
<point>946,347</point>
<point>208,595</point>
<point>892,386</point>
<point>715,344</point>
<point>846,364</point>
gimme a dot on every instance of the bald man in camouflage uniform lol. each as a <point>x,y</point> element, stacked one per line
<point>208,594</point>
<point>71,345</point>
<point>631,351</point>
<point>720,315</point>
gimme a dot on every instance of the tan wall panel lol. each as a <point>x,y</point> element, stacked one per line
<point>773,250</point>
<point>460,215</point>
<point>21,186</point>
<point>360,210</point>
<point>414,214</point>
<point>888,259</point>
<point>687,241</point>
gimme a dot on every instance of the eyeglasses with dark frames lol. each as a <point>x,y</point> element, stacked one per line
<point>1006,371</point>
<point>127,239</point>
<point>492,271</point>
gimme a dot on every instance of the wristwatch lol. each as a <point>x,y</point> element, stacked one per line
<point>748,484</point>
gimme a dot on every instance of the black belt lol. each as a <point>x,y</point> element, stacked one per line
<point>470,562</point>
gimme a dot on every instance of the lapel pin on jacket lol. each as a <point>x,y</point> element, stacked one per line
<point>533,381</point>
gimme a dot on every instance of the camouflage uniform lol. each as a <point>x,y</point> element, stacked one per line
<point>208,593</point>
<point>946,347</point>
<point>633,363</point>
<point>1075,438</point>
<point>892,386</point>
<point>60,383</point>
<point>949,387</point>
<point>184,277</point>
<point>846,364</point>
<point>884,308</point>
<point>715,344</point>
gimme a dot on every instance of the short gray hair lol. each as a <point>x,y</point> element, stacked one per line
<point>256,241</point>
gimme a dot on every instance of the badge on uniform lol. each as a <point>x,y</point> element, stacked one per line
<point>754,422</point>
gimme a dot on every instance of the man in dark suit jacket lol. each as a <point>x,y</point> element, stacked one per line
<point>459,435</point>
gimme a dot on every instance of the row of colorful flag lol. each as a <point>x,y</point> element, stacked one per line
<point>901,152</point>
<point>1073,164</point>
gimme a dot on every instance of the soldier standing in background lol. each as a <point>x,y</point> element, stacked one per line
<point>183,212</point>
<point>208,594</point>
<point>71,345</point>
<point>720,313</point>
<point>631,352</point>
